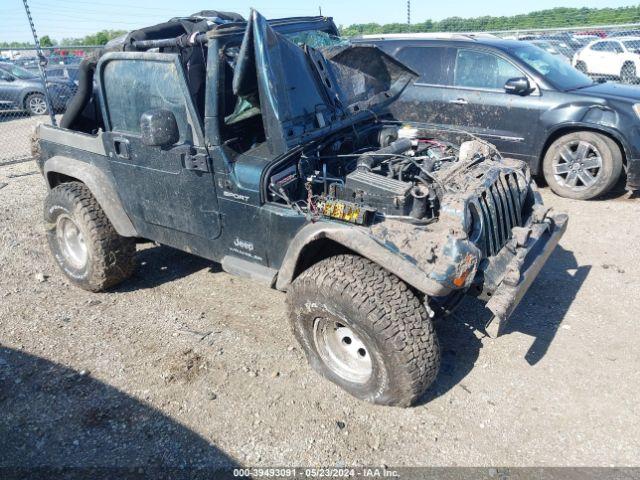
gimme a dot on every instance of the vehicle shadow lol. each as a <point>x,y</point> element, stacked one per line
<point>547,302</point>
<point>539,315</point>
<point>60,423</point>
<point>160,264</point>
<point>618,191</point>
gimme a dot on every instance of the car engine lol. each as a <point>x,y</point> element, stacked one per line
<point>395,175</point>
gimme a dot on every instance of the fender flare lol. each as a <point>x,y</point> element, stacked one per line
<point>359,241</point>
<point>592,127</point>
<point>100,185</point>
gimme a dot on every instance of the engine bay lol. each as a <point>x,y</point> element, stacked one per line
<point>389,171</point>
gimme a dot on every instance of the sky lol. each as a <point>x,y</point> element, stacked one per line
<point>77,18</point>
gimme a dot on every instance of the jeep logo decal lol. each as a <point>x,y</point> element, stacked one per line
<point>243,244</point>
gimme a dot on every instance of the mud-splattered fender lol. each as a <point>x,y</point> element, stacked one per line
<point>100,185</point>
<point>428,260</point>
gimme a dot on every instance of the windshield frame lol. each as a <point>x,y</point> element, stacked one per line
<point>581,80</point>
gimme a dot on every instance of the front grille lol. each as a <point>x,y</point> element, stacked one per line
<point>501,210</point>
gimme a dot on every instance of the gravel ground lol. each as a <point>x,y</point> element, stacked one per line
<point>188,366</point>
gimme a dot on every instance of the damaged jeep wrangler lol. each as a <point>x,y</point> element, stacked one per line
<point>264,145</point>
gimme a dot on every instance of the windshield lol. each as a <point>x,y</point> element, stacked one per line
<point>633,45</point>
<point>315,39</point>
<point>18,72</point>
<point>560,74</point>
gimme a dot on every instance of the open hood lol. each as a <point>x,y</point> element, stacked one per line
<point>300,90</point>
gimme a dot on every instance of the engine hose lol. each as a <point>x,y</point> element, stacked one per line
<point>371,160</point>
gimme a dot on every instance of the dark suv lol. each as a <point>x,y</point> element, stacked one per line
<point>578,133</point>
<point>23,90</point>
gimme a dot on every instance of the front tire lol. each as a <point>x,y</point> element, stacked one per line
<point>36,104</point>
<point>364,329</point>
<point>582,165</point>
<point>83,241</point>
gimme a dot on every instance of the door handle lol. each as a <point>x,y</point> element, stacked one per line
<point>459,101</point>
<point>121,147</point>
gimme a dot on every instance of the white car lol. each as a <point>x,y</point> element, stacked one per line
<point>616,57</point>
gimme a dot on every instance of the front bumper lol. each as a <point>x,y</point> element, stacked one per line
<point>510,273</point>
<point>633,174</point>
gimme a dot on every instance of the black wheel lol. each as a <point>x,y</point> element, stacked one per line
<point>36,104</point>
<point>84,243</point>
<point>628,73</point>
<point>582,165</point>
<point>364,329</point>
<point>582,67</point>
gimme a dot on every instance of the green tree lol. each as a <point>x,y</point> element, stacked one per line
<point>560,17</point>
<point>45,41</point>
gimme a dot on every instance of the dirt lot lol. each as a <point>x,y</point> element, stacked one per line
<point>188,366</point>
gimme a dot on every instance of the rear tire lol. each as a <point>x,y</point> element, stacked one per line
<point>582,165</point>
<point>581,66</point>
<point>364,329</point>
<point>83,241</point>
<point>628,74</point>
<point>36,104</point>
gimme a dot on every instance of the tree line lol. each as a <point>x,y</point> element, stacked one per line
<point>552,18</point>
<point>98,38</point>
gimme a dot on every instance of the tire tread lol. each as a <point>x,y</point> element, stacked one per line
<point>398,318</point>
<point>113,255</point>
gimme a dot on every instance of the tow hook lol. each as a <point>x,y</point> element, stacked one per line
<point>540,212</point>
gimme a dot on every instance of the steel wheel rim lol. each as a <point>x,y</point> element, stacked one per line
<point>342,350</point>
<point>578,165</point>
<point>71,242</point>
<point>37,105</point>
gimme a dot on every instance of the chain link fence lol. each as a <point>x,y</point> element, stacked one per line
<point>22,94</point>
<point>606,53</point>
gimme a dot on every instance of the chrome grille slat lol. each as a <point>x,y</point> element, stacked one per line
<point>488,238</point>
<point>495,230</point>
<point>501,209</point>
<point>514,189</point>
<point>499,216</point>
<point>508,204</point>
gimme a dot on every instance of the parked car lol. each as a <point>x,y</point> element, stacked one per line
<point>578,133</point>
<point>23,90</point>
<point>28,63</point>
<point>626,33</point>
<point>66,73</point>
<point>289,171</point>
<point>616,57</point>
<point>553,48</point>
<point>567,39</point>
<point>583,40</point>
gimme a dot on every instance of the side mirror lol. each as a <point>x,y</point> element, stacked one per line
<point>517,86</point>
<point>7,78</point>
<point>159,128</point>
